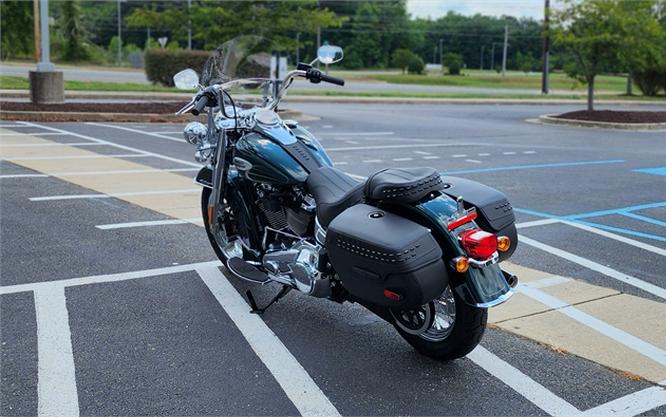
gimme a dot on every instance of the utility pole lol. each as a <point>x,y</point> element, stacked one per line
<point>481,60</point>
<point>120,40</point>
<point>441,50</point>
<point>545,82</point>
<point>189,24</point>
<point>506,45</point>
<point>46,84</point>
<point>298,47</point>
<point>37,40</point>
<point>492,57</point>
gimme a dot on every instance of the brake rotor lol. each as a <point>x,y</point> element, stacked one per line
<point>415,321</point>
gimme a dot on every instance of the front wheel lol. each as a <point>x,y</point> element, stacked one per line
<point>446,328</point>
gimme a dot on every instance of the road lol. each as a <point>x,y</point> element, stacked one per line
<point>351,86</point>
<point>112,308</point>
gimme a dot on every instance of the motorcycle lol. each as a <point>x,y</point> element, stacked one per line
<point>416,248</point>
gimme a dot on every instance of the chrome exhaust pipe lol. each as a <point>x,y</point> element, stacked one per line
<point>511,279</point>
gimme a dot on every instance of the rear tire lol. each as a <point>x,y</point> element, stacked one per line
<point>468,328</point>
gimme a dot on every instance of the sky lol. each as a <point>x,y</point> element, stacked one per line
<point>437,8</point>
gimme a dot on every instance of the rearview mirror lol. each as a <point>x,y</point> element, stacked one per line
<point>186,79</point>
<point>329,54</point>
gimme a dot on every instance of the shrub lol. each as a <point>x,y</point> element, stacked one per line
<point>162,64</point>
<point>401,59</point>
<point>650,82</point>
<point>416,65</point>
<point>453,62</point>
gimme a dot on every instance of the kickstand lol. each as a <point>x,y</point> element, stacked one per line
<point>256,310</point>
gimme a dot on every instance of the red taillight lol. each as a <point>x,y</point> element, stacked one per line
<point>479,244</point>
<point>391,295</point>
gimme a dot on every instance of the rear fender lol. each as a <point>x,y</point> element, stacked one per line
<point>481,287</point>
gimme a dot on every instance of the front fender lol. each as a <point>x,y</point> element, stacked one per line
<point>205,177</point>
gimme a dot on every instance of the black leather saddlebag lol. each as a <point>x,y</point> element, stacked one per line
<point>495,214</point>
<point>384,258</point>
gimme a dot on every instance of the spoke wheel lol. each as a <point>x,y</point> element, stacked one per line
<point>444,317</point>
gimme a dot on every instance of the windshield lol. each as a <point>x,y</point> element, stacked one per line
<point>246,58</point>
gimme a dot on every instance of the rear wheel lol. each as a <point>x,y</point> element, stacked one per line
<point>446,328</point>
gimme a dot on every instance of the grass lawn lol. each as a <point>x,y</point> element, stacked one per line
<point>513,79</point>
<point>9,82</point>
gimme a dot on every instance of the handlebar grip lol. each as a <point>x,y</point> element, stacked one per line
<point>332,80</point>
<point>199,105</point>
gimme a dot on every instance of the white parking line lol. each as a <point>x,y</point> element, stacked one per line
<point>632,242</point>
<point>51,286</point>
<point>529,152</point>
<point>49,158</point>
<point>372,161</point>
<point>630,405</point>
<point>632,342</point>
<point>534,392</point>
<point>147,223</point>
<point>609,272</point>
<point>459,155</point>
<point>474,161</point>
<point>402,159</point>
<point>483,154</point>
<point>546,282</point>
<point>12,126</point>
<point>358,133</point>
<point>534,223</point>
<point>508,153</point>
<point>143,132</point>
<point>422,153</point>
<point>33,134</point>
<point>431,157</point>
<point>287,371</point>
<point>127,148</point>
<point>415,145</point>
<point>46,145</point>
<point>56,382</point>
<point>340,163</point>
<point>111,195</point>
<point>95,173</point>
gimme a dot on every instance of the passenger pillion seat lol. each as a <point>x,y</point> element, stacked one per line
<point>334,191</point>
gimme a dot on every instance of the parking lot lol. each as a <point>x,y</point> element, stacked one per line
<point>113,303</point>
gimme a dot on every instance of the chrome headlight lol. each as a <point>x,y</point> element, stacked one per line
<point>195,133</point>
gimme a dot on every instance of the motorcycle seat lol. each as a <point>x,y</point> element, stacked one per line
<point>406,185</point>
<point>334,191</point>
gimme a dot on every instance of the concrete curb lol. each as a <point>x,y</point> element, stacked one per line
<point>156,96</point>
<point>32,116</point>
<point>551,119</point>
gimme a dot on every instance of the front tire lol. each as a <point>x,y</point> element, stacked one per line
<point>451,343</point>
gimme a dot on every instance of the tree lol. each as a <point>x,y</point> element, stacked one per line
<point>600,35</point>
<point>453,62</point>
<point>16,24</point>
<point>526,62</point>
<point>401,59</point>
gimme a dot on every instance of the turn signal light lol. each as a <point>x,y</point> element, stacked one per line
<point>479,244</point>
<point>503,243</point>
<point>461,263</point>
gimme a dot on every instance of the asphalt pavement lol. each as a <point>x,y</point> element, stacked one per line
<point>112,303</point>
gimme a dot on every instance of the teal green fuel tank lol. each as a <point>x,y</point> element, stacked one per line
<point>265,149</point>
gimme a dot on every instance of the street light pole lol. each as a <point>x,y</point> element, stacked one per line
<point>298,47</point>
<point>441,50</point>
<point>506,45</point>
<point>545,82</point>
<point>45,64</point>
<point>481,60</point>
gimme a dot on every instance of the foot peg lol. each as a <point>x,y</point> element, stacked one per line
<point>247,271</point>
<point>256,310</point>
